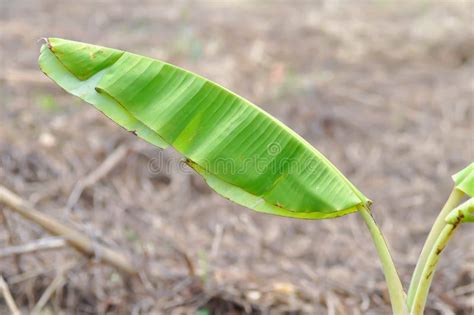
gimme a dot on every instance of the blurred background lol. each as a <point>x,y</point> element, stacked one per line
<point>383,88</point>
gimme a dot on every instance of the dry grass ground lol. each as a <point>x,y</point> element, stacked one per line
<point>384,89</point>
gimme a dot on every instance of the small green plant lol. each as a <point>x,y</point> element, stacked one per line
<point>242,152</point>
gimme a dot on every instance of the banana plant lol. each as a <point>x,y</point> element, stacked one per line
<point>242,152</point>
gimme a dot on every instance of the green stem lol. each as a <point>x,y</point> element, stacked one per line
<point>427,275</point>
<point>453,200</point>
<point>395,288</point>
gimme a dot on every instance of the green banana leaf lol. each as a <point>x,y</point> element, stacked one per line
<point>464,180</point>
<point>243,153</point>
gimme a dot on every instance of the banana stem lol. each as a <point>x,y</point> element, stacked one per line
<point>453,200</point>
<point>395,288</point>
<point>424,284</point>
